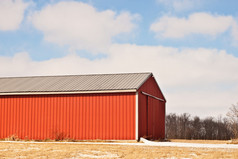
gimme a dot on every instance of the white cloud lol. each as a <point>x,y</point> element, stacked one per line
<point>197,23</point>
<point>235,32</point>
<point>202,103</point>
<point>180,5</point>
<point>81,26</point>
<point>11,14</point>
<point>199,81</point>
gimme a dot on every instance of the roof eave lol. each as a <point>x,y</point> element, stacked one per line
<point>69,92</point>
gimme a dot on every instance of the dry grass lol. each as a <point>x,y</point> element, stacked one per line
<point>15,138</point>
<point>201,141</point>
<point>68,150</point>
<point>12,138</point>
<point>234,141</point>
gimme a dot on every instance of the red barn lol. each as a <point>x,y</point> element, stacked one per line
<point>82,107</point>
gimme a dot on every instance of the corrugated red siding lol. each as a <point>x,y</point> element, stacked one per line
<point>151,111</point>
<point>89,116</point>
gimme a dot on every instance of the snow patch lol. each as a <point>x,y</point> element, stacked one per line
<point>97,154</point>
<point>146,143</point>
<point>189,145</point>
<point>4,150</point>
<point>174,158</point>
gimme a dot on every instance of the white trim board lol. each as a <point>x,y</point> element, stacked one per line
<point>74,92</point>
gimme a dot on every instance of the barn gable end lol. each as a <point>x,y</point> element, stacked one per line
<point>151,110</point>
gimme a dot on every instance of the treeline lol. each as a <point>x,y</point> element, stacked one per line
<point>185,126</point>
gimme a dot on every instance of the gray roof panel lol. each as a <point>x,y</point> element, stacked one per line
<point>73,83</point>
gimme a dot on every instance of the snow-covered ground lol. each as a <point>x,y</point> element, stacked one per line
<point>97,154</point>
<point>147,143</point>
<point>194,145</point>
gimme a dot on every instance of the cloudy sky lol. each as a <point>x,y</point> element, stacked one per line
<point>191,46</point>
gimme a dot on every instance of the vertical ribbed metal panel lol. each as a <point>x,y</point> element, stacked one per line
<point>153,123</point>
<point>90,116</point>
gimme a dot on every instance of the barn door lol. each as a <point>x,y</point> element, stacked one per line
<point>152,118</point>
<point>155,116</point>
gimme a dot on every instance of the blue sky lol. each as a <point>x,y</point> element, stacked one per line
<point>189,45</point>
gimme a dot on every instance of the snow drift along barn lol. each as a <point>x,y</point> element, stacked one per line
<point>100,106</point>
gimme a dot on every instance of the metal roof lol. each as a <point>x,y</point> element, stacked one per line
<point>72,83</point>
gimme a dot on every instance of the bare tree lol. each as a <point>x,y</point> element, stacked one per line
<point>196,127</point>
<point>171,126</point>
<point>210,128</point>
<point>185,126</point>
<point>233,116</point>
<point>184,122</point>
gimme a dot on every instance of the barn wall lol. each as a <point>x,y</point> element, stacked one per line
<point>153,125</point>
<point>89,116</point>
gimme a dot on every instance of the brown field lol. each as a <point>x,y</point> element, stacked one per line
<point>202,141</point>
<point>69,150</point>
